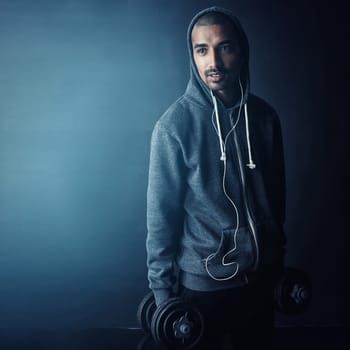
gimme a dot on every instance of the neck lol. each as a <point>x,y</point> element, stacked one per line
<point>229,97</point>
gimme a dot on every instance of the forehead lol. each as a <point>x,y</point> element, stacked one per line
<point>214,33</point>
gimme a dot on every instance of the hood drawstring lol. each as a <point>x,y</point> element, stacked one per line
<point>251,164</point>
<point>218,129</point>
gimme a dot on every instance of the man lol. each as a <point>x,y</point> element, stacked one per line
<point>216,193</point>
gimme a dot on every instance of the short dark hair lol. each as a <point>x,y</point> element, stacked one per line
<point>216,18</point>
<point>212,18</point>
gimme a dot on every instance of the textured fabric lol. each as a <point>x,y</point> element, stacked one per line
<point>188,215</point>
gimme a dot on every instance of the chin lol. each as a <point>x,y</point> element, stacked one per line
<point>216,87</point>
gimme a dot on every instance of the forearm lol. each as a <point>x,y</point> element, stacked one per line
<point>164,212</point>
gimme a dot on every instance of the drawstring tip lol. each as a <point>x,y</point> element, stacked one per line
<point>223,157</point>
<point>251,166</point>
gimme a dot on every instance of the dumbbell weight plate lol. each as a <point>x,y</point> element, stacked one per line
<point>177,324</point>
<point>293,293</point>
<point>145,312</point>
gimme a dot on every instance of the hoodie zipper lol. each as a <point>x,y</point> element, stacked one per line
<point>245,200</point>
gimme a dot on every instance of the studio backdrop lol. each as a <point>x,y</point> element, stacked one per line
<point>82,83</point>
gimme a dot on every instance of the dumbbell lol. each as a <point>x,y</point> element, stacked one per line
<point>293,292</point>
<point>175,324</point>
<point>179,325</point>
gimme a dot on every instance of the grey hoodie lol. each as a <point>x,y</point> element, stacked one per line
<point>211,223</point>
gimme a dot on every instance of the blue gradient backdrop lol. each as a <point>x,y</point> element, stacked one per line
<point>81,86</point>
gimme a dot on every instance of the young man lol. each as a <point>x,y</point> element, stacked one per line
<point>216,192</point>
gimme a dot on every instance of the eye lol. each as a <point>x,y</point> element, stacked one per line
<point>227,48</point>
<point>201,51</point>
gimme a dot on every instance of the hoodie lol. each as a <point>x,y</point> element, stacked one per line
<point>216,189</point>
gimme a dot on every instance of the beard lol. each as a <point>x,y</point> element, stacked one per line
<point>219,78</point>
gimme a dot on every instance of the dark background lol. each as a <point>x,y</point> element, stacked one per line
<point>82,83</point>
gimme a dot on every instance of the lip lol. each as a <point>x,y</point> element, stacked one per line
<point>216,77</point>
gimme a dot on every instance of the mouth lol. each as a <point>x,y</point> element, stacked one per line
<point>215,77</point>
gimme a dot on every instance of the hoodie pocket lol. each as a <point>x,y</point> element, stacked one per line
<point>234,256</point>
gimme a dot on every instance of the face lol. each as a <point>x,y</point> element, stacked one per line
<point>216,55</point>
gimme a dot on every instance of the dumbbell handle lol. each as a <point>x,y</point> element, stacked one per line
<point>182,327</point>
<point>299,293</point>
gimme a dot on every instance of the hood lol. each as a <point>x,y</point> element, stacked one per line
<point>199,91</point>
<point>196,87</point>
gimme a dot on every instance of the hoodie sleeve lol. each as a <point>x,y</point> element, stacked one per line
<point>279,206</point>
<point>279,190</point>
<point>279,174</point>
<point>164,211</point>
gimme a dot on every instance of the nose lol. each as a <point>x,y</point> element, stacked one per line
<point>215,58</point>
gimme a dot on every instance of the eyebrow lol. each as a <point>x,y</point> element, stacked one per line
<point>196,46</point>
<point>228,41</point>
